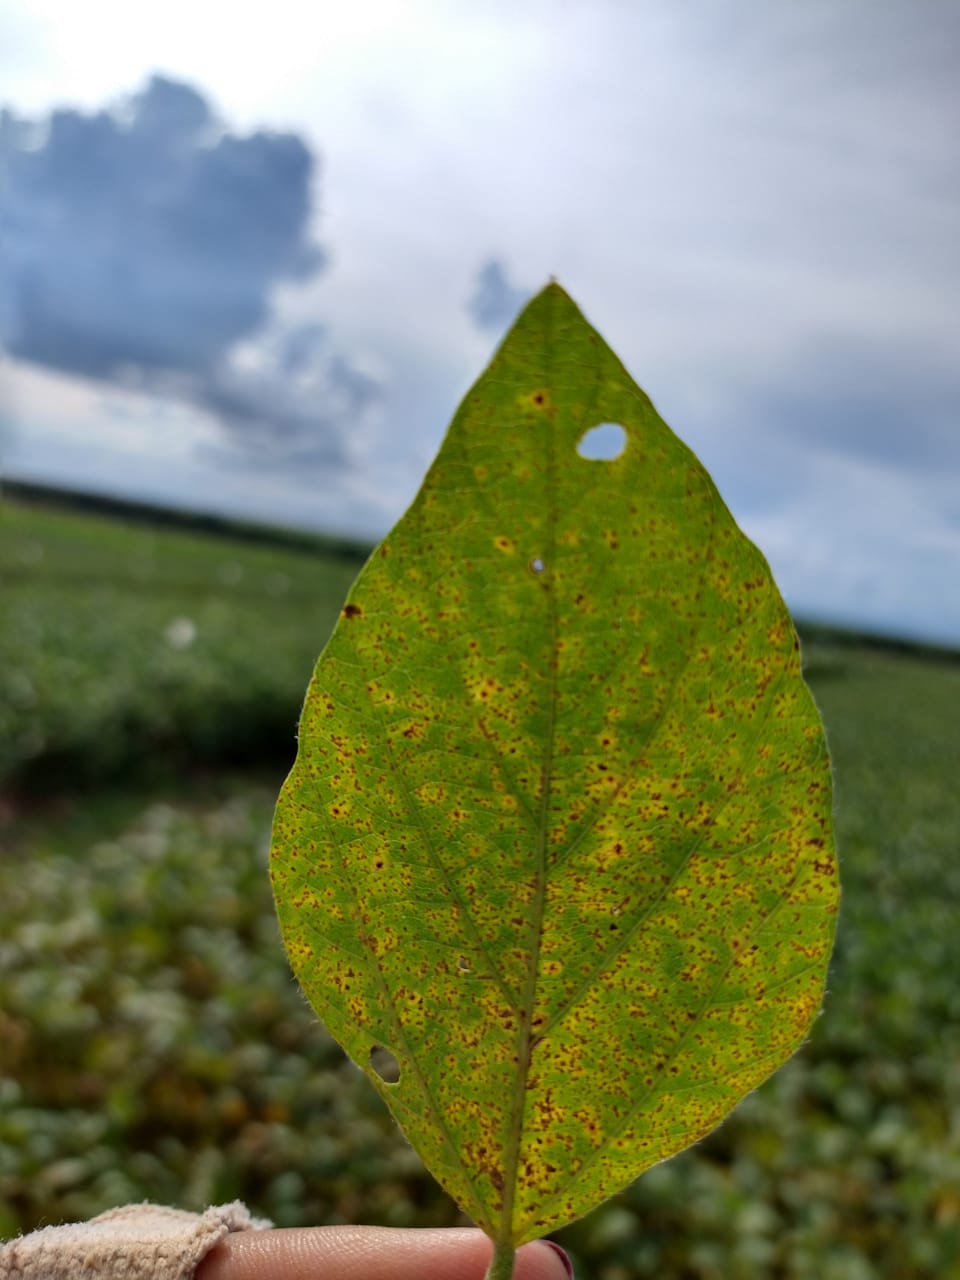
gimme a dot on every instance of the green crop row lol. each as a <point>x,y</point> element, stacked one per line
<point>125,648</point>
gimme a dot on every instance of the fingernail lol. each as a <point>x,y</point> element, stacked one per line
<point>562,1255</point>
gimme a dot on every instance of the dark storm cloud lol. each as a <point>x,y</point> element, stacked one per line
<point>495,301</point>
<point>142,242</point>
<point>147,237</point>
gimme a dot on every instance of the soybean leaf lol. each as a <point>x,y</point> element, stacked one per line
<point>557,843</point>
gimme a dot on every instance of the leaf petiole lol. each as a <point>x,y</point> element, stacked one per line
<point>501,1264</point>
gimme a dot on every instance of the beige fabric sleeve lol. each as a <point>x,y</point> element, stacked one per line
<point>136,1242</point>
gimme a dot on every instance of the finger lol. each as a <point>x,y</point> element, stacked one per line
<point>368,1253</point>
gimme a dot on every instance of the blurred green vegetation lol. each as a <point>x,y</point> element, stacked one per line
<point>129,648</point>
<point>153,1044</point>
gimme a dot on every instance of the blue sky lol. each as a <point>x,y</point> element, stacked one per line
<point>250,261</point>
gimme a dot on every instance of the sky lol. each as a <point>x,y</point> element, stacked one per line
<point>251,258</point>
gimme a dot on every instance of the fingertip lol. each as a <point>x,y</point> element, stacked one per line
<point>543,1260</point>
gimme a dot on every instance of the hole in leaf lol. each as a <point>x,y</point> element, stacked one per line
<point>537,565</point>
<point>463,964</point>
<point>603,443</point>
<point>385,1064</point>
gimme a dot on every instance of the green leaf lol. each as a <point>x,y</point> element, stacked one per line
<point>558,834</point>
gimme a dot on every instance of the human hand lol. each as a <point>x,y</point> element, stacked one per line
<point>370,1253</point>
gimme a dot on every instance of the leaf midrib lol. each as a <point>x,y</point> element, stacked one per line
<point>535,931</point>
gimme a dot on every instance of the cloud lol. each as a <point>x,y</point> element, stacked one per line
<point>896,402</point>
<point>495,302</point>
<point>142,243</point>
<point>293,398</point>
